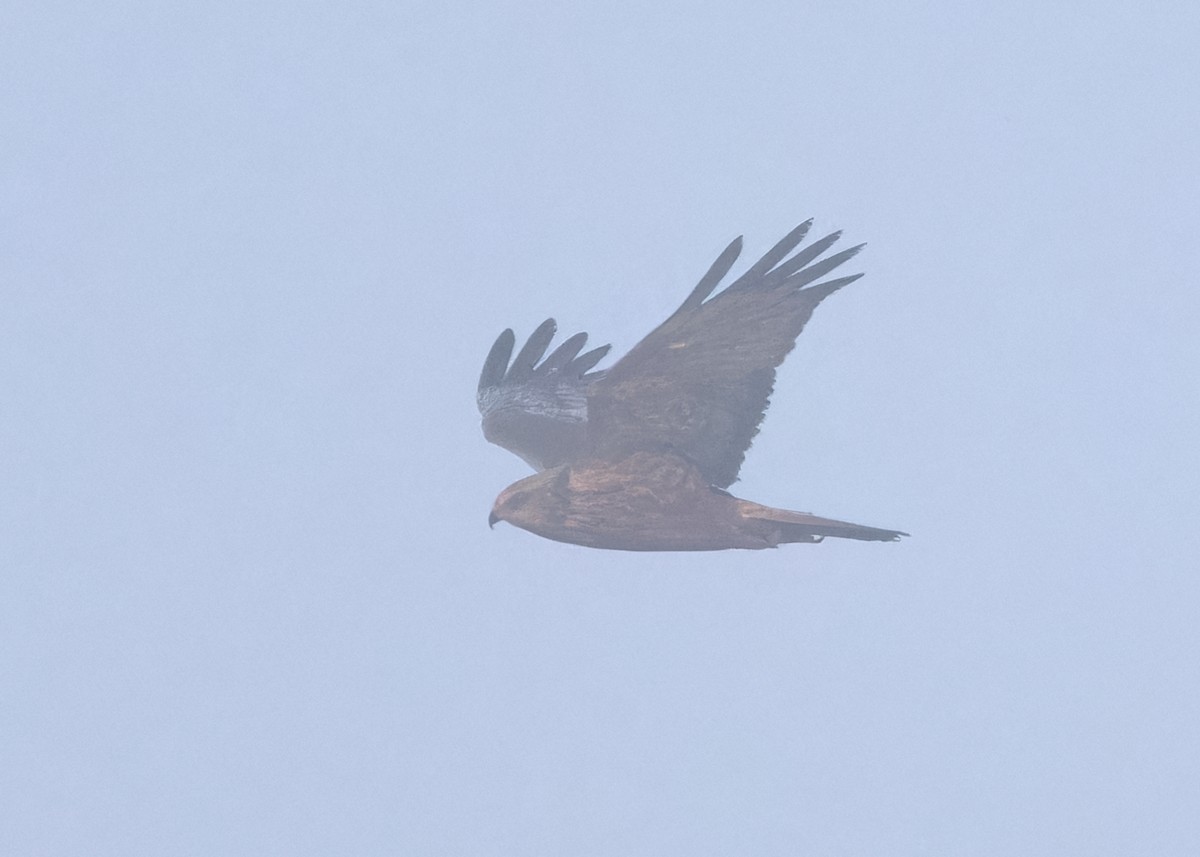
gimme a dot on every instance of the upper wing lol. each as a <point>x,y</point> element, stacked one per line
<point>538,411</point>
<point>700,383</point>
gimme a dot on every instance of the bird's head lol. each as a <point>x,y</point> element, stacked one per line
<point>533,502</point>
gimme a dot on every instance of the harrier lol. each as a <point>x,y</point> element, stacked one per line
<point>638,456</point>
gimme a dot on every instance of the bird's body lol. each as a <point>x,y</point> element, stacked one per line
<point>637,457</point>
<point>655,502</point>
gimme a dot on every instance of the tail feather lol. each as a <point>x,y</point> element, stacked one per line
<point>780,526</point>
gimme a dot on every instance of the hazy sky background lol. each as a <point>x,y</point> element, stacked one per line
<point>253,256</point>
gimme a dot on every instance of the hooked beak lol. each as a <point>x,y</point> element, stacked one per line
<point>493,519</point>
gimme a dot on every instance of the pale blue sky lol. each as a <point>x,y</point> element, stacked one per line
<point>253,258</point>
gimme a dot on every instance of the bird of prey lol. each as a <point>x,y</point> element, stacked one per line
<point>638,456</point>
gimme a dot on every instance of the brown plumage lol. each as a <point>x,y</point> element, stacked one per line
<point>637,457</point>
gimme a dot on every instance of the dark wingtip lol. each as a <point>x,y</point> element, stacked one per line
<point>774,256</point>
<point>797,235</point>
<point>715,273</point>
<point>562,356</point>
<point>820,291</point>
<point>584,362</point>
<point>533,349</point>
<point>496,363</point>
<point>819,269</point>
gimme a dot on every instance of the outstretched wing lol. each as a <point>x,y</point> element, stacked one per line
<point>538,410</point>
<point>700,383</point>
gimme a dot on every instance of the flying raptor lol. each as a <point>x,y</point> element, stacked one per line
<point>638,456</point>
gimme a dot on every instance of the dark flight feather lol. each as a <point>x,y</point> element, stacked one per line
<point>538,411</point>
<point>700,383</point>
